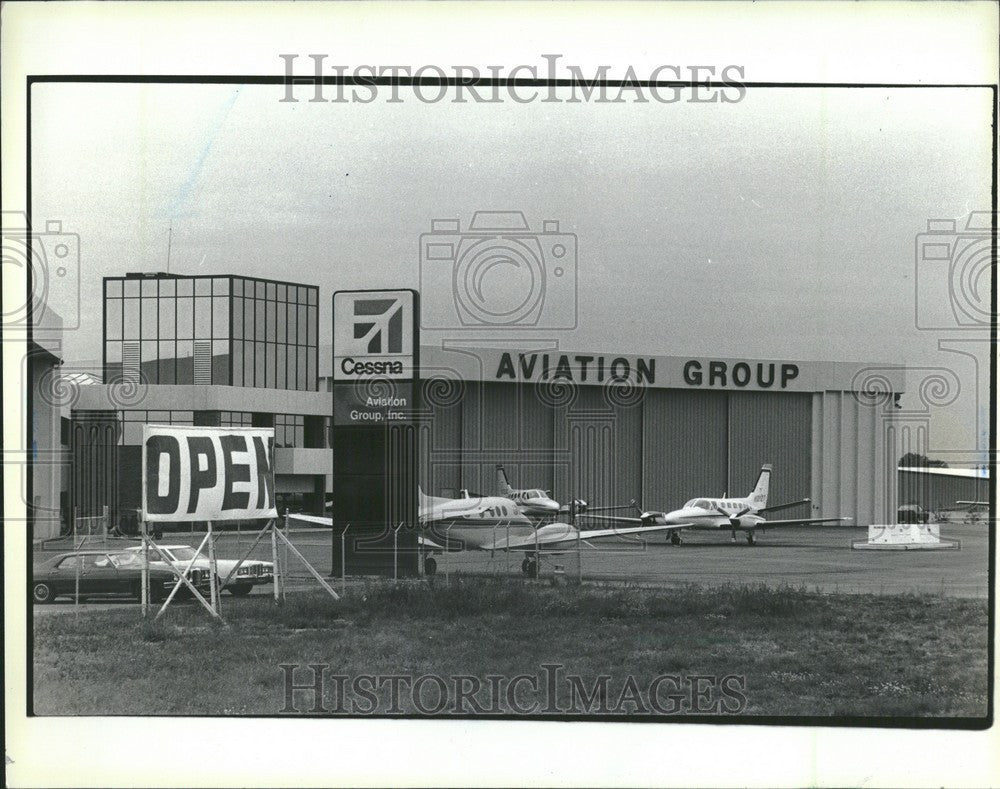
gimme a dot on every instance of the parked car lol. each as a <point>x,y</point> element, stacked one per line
<point>912,513</point>
<point>251,573</point>
<point>103,572</point>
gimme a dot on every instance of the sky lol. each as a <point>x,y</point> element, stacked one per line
<point>779,226</point>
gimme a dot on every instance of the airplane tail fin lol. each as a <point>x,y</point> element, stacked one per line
<point>502,481</point>
<point>422,499</point>
<point>758,498</point>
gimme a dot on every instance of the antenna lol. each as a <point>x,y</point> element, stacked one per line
<point>170,237</point>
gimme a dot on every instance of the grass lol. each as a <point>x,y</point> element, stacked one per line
<point>801,653</point>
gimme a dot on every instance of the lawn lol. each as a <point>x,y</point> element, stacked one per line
<point>509,646</point>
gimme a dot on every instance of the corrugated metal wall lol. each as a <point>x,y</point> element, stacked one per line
<point>940,492</point>
<point>684,447</point>
<point>774,428</point>
<point>669,446</point>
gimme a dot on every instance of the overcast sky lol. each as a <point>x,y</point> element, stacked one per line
<point>781,226</point>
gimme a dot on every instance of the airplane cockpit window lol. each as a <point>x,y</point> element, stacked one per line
<point>701,504</point>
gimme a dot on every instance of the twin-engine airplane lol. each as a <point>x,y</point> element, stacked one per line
<point>532,502</point>
<point>725,514</point>
<point>493,523</point>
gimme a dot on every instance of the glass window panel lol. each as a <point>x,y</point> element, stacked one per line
<point>185,318</point>
<point>280,321</point>
<point>272,291</point>
<point>313,295</point>
<point>220,316</point>
<point>130,329</point>
<point>238,363</point>
<point>220,286</point>
<point>248,319</point>
<point>237,317</point>
<point>260,360</point>
<point>181,417</point>
<point>149,287</point>
<point>282,292</point>
<point>132,434</point>
<point>168,287</point>
<point>220,362</point>
<point>185,287</point>
<point>301,378</point>
<point>270,366</point>
<point>202,287</point>
<point>292,324</point>
<point>113,287</point>
<point>271,314</point>
<point>131,287</point>
<point>159,417</point>
<point>248,289</point>
<point>290,368</point>
<point>249,363</point>
<point>113,351</point>
<point>259,321</point>
<point>168,366</point>
<point>149,362</point>
<point>202,318</point>
<point>303,317</point>
<point>280,361</point>
<point>185,362</point>
<point>311,333</point>
<point>168,318</point>
<point>113,319</point>
<point>150,321</point>
<point>313,370</point>
<point>261,289</point>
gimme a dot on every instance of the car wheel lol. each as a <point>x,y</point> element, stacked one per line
<point>239,590</point>
<point>42,593</point>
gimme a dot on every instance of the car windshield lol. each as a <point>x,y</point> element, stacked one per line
<point>183,554</point>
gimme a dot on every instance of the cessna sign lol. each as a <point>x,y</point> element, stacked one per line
<point>374,356</point>
<point>373,334</point>
<point>207,473</point>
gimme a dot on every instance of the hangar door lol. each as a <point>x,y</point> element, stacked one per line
<point>776,428</point>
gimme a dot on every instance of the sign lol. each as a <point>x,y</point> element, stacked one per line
<point>373,334</point>
<point>207,473</point>
<point>374,356</point>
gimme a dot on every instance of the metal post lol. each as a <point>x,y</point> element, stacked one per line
<point>579,552</point>
<point>76,548</point>
<point>144,583</point>
<point>274,560</point>
<point>537,556</point>
<point>447,567</point>
<point>104,518</point>
<point>284,552</point>
<point>213,568</point>
<point>395,549</point>
<point>508,546</point>
<point>343,559</point>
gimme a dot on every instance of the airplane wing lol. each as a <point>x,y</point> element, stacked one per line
<point>570,538</point>
<point>428,543</point>
<point>801,522</point>
<point>610,518</point>
<point>318,519</point>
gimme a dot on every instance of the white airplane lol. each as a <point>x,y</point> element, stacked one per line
<point>492,523</point>
<point>725,514</point>
<point>532,502</point>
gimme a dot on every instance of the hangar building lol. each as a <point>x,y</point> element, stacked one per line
<point>609,428</point>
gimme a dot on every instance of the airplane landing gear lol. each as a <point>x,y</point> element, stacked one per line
<point>430,565</point>
<point>734,536</point>
<point>751,540</point>
<point>529,567</point>
<point>675,538</point>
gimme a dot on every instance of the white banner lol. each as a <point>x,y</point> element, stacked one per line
<point>207,473</point>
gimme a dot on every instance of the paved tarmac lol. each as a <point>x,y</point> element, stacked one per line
<point>815,557</point>
<point>818,558</point>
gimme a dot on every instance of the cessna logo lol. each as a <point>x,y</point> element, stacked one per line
<point>378,323</point>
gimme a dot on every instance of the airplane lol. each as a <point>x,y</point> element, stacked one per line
<point>493,523</point>
<point>733,514</point>
<point>532,502</point>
